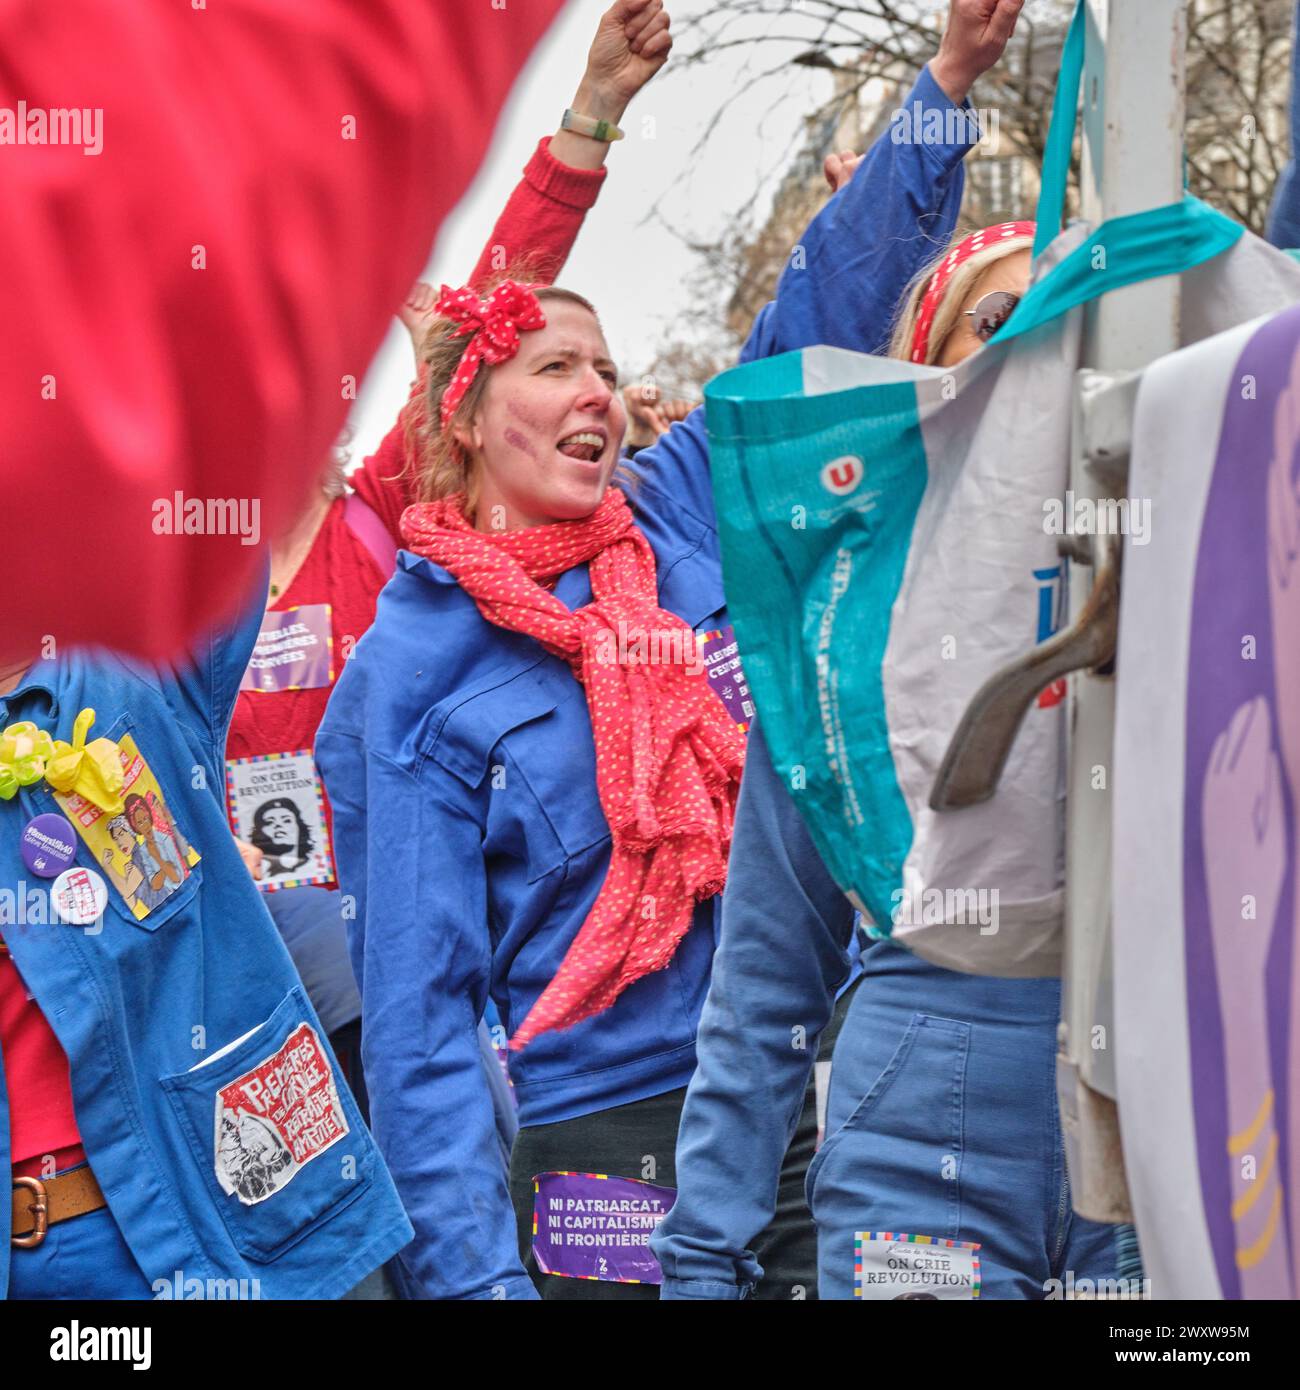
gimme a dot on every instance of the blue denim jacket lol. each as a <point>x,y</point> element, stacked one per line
<point>209,1104</point>
<point>460,766</point>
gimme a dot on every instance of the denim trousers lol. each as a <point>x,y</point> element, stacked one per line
<point>942,1123</point>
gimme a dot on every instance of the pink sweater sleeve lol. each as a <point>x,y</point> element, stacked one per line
<point>189,289</point>
<point>541,221</point>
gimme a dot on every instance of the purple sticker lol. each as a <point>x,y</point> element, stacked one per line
<point>590,1226</point>
<point>294,651</point>
<point>48,845</point>
<point>721,656</point>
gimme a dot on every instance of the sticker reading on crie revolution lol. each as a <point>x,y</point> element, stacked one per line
<point>892,1265</point>
<point>276,803</point>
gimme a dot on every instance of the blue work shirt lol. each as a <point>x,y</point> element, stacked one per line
<point>460,765</point>
<point>209,1104</point>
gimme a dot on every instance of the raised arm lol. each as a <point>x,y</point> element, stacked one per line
<point>786,928</point>
<point>846,276</point>
<point>843,282</point>
<point>543,216</point>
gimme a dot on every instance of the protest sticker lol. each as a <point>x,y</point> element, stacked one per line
<point>276,803</point>
<point>142,851</point>
<point>276,1118</point>
<point>720,654</point>
<point>294,650</point>
<point>893,1265</point>
<point>594,1226</point>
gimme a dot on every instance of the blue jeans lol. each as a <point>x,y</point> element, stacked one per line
<point>942,1121</point>
<point>83,1257</point>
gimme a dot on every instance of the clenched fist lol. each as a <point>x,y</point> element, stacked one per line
<point>974,40</point>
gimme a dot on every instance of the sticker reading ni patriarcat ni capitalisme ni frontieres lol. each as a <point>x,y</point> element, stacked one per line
<point>597,1226</point>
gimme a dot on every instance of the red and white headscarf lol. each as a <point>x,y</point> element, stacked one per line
<point>496,323</point>
<point>962,252</point>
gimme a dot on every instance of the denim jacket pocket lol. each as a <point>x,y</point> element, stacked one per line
<point>903,1140</point>
<point>274,1131</point>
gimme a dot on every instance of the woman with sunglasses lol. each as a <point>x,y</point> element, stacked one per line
<point>957,303</point>
<point>943,1172</point>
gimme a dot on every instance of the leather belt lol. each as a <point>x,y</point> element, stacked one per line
<point>39,1203</point>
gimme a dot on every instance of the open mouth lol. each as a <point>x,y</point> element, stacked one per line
<point>586,446</point>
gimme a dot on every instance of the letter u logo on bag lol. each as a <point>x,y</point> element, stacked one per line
<point>842,475</point>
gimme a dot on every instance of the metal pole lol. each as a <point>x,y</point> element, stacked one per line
<point>1134,106</point>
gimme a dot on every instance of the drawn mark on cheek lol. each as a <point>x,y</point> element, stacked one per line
<point>532,421</point>
<point>518,441</point>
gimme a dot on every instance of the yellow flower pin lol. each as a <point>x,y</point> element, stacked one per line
<point>24,750</point>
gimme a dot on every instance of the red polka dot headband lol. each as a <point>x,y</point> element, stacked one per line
<point>973,244</point>
<point>496,323</point>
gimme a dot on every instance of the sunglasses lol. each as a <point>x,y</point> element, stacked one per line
<point>992,311</point>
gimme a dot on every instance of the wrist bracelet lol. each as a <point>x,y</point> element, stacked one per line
<point>605,131</point>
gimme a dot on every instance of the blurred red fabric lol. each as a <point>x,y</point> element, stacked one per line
<point>189,309</point>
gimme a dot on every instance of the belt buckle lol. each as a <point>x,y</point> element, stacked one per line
<point>40,1209</point>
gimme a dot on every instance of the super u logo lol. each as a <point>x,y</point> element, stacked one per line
<point>842,475</point>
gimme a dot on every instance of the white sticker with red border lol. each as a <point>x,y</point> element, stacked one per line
<point>276,1118</point>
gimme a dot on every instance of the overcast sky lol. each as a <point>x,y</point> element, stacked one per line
<point>632,269</point>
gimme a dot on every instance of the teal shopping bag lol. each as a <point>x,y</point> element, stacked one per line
<point>885,551</point>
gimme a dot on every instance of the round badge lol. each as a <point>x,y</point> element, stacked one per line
<point>79,896</point>
<point>48,844</point>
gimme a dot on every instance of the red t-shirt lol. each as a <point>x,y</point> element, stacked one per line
<point>41,1120</point>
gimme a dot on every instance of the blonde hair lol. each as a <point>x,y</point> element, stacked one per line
<point>954,296</point>
<point>442,465</point>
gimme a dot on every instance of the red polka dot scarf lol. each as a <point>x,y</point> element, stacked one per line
<point>668,755</point>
